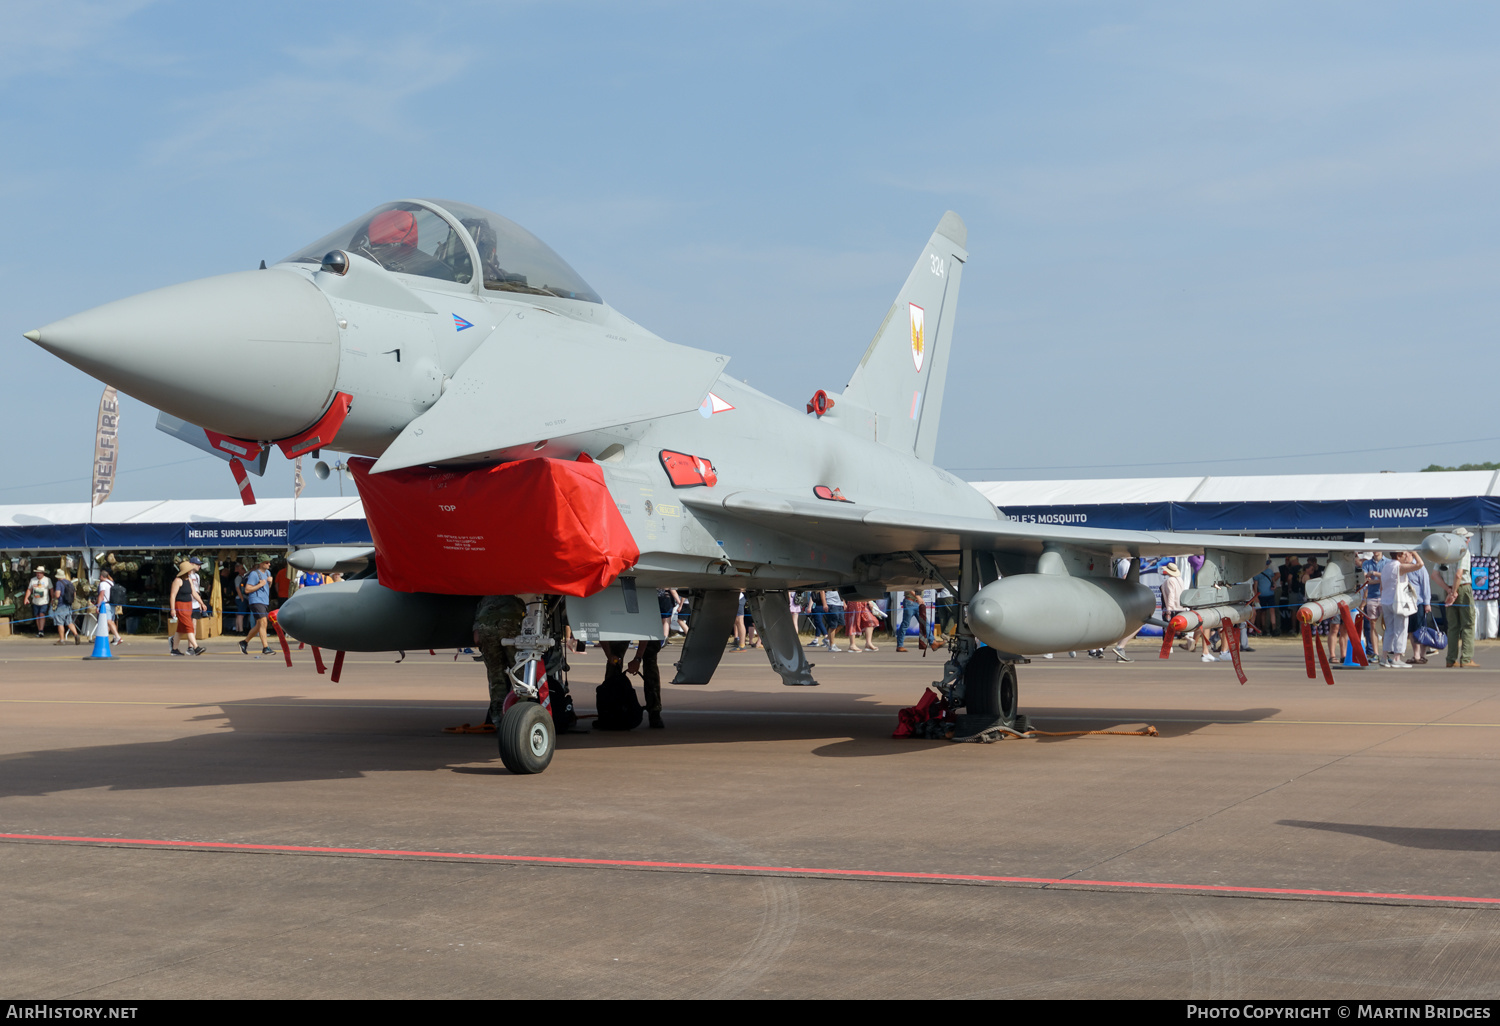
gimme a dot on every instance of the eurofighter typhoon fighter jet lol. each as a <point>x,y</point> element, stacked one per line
<point>522,438</point>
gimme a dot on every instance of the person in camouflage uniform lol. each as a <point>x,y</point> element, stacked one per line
<point>496,617</point>
<point>500,616</point>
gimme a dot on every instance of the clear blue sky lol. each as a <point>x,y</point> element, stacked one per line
<point>1289,207</point>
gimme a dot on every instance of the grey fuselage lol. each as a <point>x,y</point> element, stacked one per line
<point>270,350</point>
<point>760,445</point>
<point>459,339</point>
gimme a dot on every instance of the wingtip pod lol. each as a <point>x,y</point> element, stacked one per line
<point>1443,547</point>
<point>952,227</point>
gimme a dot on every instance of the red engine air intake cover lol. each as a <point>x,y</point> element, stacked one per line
<point>536,525</point>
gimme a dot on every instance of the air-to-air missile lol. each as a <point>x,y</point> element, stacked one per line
<point>1212,617</point>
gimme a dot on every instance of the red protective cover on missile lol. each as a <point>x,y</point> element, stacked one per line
<point>536,525</point>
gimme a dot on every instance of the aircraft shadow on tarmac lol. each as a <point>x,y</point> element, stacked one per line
<point>1429,838</point>
<point>294,738</point>
<point>288,738</point>
<point>1180,723</point>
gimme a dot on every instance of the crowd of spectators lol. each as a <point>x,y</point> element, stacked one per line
<point>139,593</point>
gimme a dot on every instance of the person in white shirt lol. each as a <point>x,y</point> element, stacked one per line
<point>1171,594</point>
<point>39,592</point>
<point>1422,581</point>
<point>1397,601</point>
<point>197,585</point>
<point>105,609</point>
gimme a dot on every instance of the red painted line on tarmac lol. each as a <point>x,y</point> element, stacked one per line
<point>558,860</point>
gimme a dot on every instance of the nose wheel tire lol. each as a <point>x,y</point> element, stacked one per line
<point>527,738</point>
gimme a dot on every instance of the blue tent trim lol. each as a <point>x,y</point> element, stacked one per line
<point>43,536</point>
<point>1340,515</point>
<point>1133,516</point>
<point>329,532</point>
<point>212,534</point>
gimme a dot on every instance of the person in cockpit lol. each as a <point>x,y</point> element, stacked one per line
<point>488,244</point>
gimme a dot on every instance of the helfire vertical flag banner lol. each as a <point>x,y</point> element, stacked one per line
<point>106,445</point>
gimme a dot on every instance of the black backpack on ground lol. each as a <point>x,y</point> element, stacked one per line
<point>619,709</point>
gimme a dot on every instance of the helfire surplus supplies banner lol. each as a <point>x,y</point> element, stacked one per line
<point>106,445</point>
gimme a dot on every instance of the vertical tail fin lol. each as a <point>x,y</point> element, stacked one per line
<point>901,378</point>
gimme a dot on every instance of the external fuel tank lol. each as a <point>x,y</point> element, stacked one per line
<point>1030,614</point>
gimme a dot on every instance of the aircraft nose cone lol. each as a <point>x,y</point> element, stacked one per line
<point>253,354</point>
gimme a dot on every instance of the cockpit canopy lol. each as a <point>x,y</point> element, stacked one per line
<point>444,240</point>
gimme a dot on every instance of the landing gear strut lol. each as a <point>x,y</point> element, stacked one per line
<point>526,734</point>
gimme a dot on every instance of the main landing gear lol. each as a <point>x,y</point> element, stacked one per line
<point>526,734</point>
<point>991,696</point>
<point>978,679</point>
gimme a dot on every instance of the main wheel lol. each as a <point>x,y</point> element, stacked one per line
<point>527,738</point>
<point>990,687</point>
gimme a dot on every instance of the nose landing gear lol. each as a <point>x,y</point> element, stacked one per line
<point>526,734</point>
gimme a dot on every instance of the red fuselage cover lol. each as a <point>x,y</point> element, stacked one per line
<point>537,525</point>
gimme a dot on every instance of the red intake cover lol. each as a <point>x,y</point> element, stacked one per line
<point>535,525</point>
<point>684,471</point>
